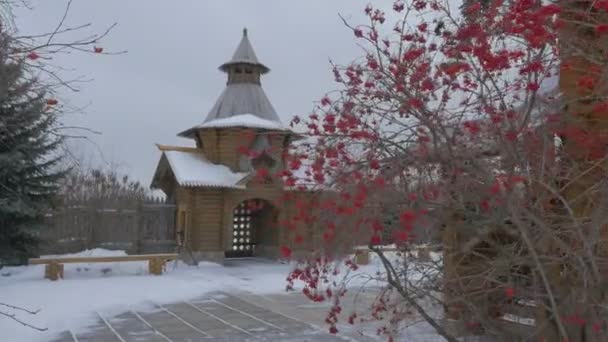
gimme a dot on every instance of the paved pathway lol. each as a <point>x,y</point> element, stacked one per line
<point>219,317</point>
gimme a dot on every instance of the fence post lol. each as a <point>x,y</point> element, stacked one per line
<point>92,222</point>
<point>139,213</point>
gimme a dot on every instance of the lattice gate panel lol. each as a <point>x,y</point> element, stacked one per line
<point>243,244</point>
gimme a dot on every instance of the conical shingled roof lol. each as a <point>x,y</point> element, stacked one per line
<point>243,98</point>
<point>243,103</point>
<point>244,54</point>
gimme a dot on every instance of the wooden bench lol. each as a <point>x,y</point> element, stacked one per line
<point>54,266</point>
<point>362,253</point>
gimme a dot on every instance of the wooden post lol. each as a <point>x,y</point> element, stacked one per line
<point>156,266</point>
<point>53,271</point>
<point>362,257</point>
<point>153,266</point>
<point>139,223</point>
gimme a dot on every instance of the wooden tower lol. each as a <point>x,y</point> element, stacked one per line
<point>226,205</point>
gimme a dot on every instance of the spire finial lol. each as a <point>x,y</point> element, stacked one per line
<point>244,54</point>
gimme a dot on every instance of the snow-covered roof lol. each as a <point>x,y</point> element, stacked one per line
<point>193,169</point>
<point>244,120</point>
<point>244,54</point>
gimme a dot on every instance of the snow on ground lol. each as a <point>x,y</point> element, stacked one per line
<point>112,288</point>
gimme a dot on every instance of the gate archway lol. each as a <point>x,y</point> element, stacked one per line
<point>252,223</point>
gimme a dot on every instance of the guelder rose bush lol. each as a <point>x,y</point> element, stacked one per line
<point>451,125</point>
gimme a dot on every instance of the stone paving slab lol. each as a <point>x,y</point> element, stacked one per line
<point>172,327</point>
<point>132,329</point>
<point>300,309</point>
<point>212,318</point>
<point>200,320</point>
<point>238,319</point>
<point>99,332</point>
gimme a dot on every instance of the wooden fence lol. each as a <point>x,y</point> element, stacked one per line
<point>140,227</point>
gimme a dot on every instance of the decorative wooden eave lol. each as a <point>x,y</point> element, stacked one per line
<point>243,182</point>
<point>251,176</point>
<point>178,148</point>
<point>295,136</point>
<point>162,168</point>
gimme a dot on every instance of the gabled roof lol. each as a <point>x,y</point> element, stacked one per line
<point>244,54</point>
<point>192,169</point>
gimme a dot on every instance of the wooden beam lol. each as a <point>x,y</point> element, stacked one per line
<point>141,257</point>
<point>246,179</point>
<point>178,148</point>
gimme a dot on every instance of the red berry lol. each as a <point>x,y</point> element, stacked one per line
<point>286,252</point>
<point>33,56</point>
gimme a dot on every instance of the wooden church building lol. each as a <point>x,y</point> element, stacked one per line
<point>223,208</point>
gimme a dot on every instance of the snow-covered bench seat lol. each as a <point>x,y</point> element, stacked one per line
<point>54,266</point>
<point>421,252</point>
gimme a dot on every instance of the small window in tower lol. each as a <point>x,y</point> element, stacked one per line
<point>248,70</point>
<point>238,70</point>
<point>264,161</point>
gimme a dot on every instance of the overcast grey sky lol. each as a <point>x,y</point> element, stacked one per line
<point>169,80</point>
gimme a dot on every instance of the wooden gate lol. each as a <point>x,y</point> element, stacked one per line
<point>243,234</point>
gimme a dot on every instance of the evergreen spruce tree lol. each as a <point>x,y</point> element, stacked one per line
<point>28,157</point>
